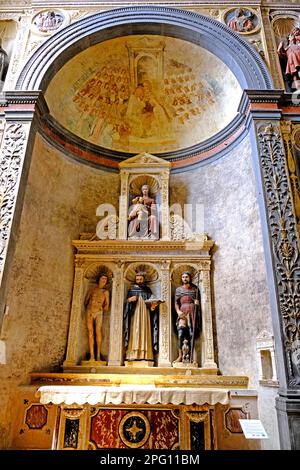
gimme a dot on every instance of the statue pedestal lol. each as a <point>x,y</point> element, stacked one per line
<point>93,363</point>
<point>185,365</point>
<point>139,364</point>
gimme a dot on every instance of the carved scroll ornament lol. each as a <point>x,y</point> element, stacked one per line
<point>10,165</point>
<point>282,225</point>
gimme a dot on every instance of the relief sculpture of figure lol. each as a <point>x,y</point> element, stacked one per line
<point>140,322</point>
<point>242,22</point>
<point>187,306</point>
<point>289,50</point>
<point>97,302</point>
<point>143,222</point>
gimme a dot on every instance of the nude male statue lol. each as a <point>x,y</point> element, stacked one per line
<point>97,304</point>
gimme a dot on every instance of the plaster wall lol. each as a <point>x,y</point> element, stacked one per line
<point>226,191</point>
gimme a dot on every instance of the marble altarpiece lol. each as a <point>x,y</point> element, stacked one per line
<point>191,397</point>
<point>163,256</point>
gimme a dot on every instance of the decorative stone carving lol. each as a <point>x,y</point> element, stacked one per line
<point>287,128</point>
<point>164,320</point>
<point>145,169</point>
<point>116,343</point>
<point>11,163</point>
<point>77,303</point>
<point>282,225</point>
<point>124,257</point>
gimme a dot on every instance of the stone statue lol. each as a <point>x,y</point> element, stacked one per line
<point>187,306</point>
<point>3,63</point>
<point>97,302</point>
<point>185,351</point>
<point>140,322</point>
<point>143,222</point>
<point>289,50</point>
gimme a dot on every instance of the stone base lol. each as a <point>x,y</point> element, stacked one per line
<point>169,377</point>
<point>93,363</point>
<point>185,365</point>
<point>139,363</point>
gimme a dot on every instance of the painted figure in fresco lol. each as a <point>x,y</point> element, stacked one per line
<point>187,306</point>
<point>143,222</point>
<point>289,50</point>
<point>97,303</point>
<point>242,21</point>
<point>140,322</point>
<point>3,63</point>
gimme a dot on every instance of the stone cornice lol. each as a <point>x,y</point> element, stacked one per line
<point>159,377</point>
<point>25,6</point>
<point>273,104</point>
<point>116,247</point>
<point>20,104</point>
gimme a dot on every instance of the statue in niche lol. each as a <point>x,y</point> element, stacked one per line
<point>289,50</point>
<point>3,63</point>
<point>242,21</point>
<point>187,306</point>
<point>143,221</point>
<point>97,303</point>
<point>140,322</point>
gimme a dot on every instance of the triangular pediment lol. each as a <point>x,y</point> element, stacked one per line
<point>144,160</point>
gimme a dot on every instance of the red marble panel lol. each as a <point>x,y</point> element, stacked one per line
<point>105,429</point>
<point>164,429</point>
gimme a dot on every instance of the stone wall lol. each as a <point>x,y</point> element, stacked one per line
<point>226,189</point>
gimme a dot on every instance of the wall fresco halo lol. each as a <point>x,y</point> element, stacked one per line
<point>144,93</point>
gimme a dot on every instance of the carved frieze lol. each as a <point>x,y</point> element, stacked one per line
<point>282,225</point>
<point>11,163</point>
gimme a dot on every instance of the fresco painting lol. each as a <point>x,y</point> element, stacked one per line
<point>142,93</point>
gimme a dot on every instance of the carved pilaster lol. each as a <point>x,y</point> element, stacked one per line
<point>123,206</point>
<point>208,360</point>
<point>2,127</point>
<point>116,318</point>
<point>18,57</point>
<point>165,319</point>
<point>165,226</point>
<point>286,128</point>
<point>77,303</point>
<point>283,239</point>
<point>11,163</point>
